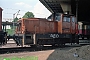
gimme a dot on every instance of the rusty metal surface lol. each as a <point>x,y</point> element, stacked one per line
<point>66,27</point>
<point>36,25</point>
<point>73,26</point>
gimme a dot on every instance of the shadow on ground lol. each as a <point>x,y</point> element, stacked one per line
<point>74,52</point>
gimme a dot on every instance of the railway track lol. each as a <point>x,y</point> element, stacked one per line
<point>11,47</point>
<point>30,49</point>
<point>22,49</point>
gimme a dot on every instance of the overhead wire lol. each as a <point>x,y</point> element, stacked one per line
<point>24,11</point>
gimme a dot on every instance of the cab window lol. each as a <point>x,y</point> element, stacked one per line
<point>73,19</point>
<point>66,19</point>
<point>57,18</point>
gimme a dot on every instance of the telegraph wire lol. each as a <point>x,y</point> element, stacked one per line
<point>24,11</point>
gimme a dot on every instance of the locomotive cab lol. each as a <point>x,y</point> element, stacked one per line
<point>67,28</point>
<point>66,23</point>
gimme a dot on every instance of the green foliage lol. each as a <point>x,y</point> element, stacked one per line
<point>19,58</point>
<point>10,31</point>
<point>28,15</point>
<point>15,20</point>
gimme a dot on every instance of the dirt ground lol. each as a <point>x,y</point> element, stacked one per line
<point>66,53</point>
<point>11,44</point>
<point>42,55</point>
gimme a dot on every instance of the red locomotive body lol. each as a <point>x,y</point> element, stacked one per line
<point>37,25</point>
<point>0,19</point>
<point>41,31</point>
<point>2,33</point>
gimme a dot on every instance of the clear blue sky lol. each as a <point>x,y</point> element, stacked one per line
<point>12,6</point>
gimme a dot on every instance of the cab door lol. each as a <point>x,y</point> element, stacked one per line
<point>73,24</point>
<point>66,24</point>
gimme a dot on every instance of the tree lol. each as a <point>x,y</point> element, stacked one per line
<point>28,15</point>
<point>11,31</point>
<point>15,20</point>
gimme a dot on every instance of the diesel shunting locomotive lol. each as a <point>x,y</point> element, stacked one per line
<point>39,31</point>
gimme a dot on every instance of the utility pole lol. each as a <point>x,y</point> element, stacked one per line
<point>77,9</point>
<point>15,17</point>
